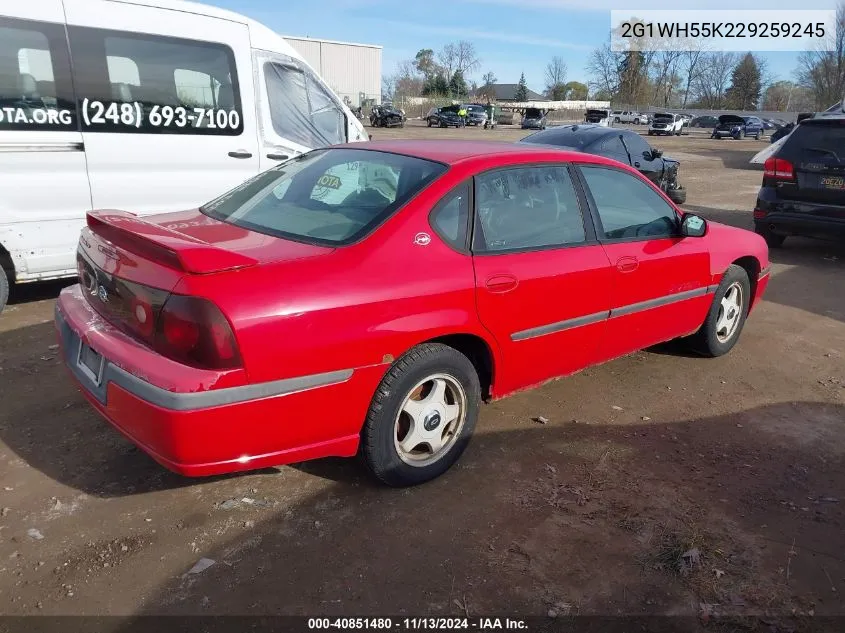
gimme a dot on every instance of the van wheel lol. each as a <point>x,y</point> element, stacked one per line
<point>4,289</point>
<point>727,314</point>
<point>421,416</point>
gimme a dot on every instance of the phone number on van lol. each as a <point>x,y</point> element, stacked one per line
<point>132,114</point>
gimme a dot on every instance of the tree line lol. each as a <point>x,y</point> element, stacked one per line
<point>718,80</point>
<point>447,72</point>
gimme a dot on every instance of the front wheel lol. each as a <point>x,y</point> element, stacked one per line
<point>422,415</point>
<point>677,195</point>
<point>727,314</point>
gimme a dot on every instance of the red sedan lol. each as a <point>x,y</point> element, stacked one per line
<point>367,298</point>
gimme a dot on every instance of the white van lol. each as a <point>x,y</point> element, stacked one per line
<point>142,105</point>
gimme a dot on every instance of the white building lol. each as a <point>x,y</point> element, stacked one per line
<point>353,71</point>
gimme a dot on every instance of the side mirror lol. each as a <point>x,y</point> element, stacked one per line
<point>693,226</point>
<point>656,153</point>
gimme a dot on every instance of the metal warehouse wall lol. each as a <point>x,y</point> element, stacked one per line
<point>350,69</point>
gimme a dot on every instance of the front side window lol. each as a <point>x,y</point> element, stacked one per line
<point>331,196</point>
<point>526,208</point>
<point>35,83</point>
<point>134,83</point>
<point>627,206</point>
<point>301,108</point>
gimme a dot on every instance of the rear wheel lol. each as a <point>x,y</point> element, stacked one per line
<point>4,289</point>
<point>727,314</point>
<point>421,416</point>
<point>773,240</point>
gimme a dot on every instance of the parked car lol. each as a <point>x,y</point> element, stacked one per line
<point>666,123</point>
<point>704,121</point>
<point>197,356</point>
<point>626,116</point>
<point>476,115</point>
<point>738,127</point>
<point>534,119</point>
<point>623,145</point>
<point>803,190</point>
<point>441,117</point>
<point>145,132</point>
<point>387,115</point>
<point>598,116</point>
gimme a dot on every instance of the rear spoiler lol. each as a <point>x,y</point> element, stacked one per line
<point>174,249</point>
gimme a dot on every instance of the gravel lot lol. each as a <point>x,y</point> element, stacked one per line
<point>662,484</point>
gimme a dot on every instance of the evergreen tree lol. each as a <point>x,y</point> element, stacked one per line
<point>746,86</point>
<point>521,89</point>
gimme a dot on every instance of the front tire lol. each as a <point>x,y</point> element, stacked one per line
<point>4,289</point>
<point>422,416</point>
<point>727,315</point>
<point>678,196</point>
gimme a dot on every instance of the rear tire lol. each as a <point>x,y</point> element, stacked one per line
<point>726,316</point>
<point>397,443</point>
<point>4,289</point>
<point>773,240</point>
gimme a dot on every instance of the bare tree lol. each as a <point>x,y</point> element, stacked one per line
<point>603,68</point>
<point>488,78</point>
<point>459,56</point>
<point>691,62</point>
<point>665,64</point>
<point>714,77</point>
<point>556,79</point>
<point>823,72</point>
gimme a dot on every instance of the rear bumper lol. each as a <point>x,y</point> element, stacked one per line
<point>794,217</point>
<point>214,431</point>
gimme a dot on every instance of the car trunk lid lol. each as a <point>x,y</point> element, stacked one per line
<point>128,264</point>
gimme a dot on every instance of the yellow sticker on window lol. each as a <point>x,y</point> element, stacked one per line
<point>327,180</point>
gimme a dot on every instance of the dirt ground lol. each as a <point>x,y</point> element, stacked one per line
<point>662,484</point>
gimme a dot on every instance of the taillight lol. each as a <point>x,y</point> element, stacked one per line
<point>778,168</point>
<point>193,331</point>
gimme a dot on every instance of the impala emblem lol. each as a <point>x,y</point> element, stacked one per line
<point>422,239</point>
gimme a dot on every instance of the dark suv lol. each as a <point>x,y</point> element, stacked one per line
<point>803,190</point>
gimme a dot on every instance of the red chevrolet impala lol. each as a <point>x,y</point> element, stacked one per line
<point>366,298</point>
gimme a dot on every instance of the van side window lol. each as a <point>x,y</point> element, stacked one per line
<point>300,107</point>
<point>36,91</point>
<point>148,84</point>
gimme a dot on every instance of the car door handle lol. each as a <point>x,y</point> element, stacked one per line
<point>277,156</point>
<point>501,283</point>
<point>241,153</point>
<point>627,264</point>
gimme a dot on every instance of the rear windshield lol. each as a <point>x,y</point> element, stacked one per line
<point>328,196</point>
<point>817,143</point>
<point>567,137</point>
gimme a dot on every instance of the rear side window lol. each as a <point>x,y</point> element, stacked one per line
<point>138,83</point>
<point>816,143</point>
<point>526,208</point>
<point>36,91</point>
<point>301,109</point>
<point>332,196</point>
<point>450,218</point>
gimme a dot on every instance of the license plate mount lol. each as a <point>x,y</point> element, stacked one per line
<point>90,363</point>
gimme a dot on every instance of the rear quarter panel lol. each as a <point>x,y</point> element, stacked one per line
<point>361,305</point>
